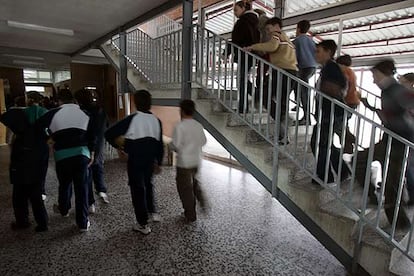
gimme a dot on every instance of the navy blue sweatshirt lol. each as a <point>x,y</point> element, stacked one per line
<point>71,129</point>
<point>143,138</point>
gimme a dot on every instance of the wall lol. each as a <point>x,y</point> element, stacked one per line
<point>15,78</point>
<point>169,116</point>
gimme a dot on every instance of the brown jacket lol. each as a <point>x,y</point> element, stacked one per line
<point>281,51</point>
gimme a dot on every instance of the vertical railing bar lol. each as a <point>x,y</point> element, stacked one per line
<point>330,141</point>
<point>245,78</point>
<point>355,158</point>
<point>318,133</point>
<point>261,69</point>
<point>269,101</point>
<point>384,175</point>
<point>400,190</point>
<point>298,94</point>
<point>341,150</point>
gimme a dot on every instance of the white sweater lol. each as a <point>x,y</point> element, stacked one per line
<point>188,140</point>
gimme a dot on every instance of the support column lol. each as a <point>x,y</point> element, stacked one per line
<point>279,8</point>
<point>123,72</point>
<point>340,31</point>
<point>187,49</point>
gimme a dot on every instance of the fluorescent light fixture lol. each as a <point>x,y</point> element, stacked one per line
<point>34,27</point>
<point>23,57</point>
<point>25,62</point>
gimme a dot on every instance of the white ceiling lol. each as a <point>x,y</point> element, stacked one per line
<point>89,19</point>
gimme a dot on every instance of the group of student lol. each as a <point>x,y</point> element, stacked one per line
<point>254,32</point>
<point>77,130</point>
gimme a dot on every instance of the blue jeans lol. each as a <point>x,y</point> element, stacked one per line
<point>74,170</point>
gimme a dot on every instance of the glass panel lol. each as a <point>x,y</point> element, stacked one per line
<point>45,75</point>
<point>30,74</point>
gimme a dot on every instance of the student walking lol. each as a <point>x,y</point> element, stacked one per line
<point>140,136</point>
<point>245,33</point>
<point>188,139</point>
<point>282,55</point>
<point>396,103</point>
<point>305,54</point>
<point>332,83</point>
<point>27,161</point>
<point>74,143</point>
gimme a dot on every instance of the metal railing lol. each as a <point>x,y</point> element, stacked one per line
<point>158,60</point>
<point>264,104</point>
<point>160,26</point>
<point>260,94</point>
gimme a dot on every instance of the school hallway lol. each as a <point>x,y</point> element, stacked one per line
<point>246,232</point>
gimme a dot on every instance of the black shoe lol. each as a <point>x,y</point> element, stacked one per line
<point>283,141</point>
<point>41,228</point>
<point>20,226</point>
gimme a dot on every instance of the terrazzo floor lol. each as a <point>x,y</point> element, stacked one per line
<point>245,232</point>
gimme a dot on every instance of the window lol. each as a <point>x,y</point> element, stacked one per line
<point>34,76</point>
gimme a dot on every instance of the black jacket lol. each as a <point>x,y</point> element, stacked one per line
<point>245,32</point>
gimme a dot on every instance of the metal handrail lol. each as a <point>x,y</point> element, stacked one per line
<point>263,113</point>
<point>213,46</point>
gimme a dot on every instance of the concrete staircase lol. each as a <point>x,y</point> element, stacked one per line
<point>320,211</point>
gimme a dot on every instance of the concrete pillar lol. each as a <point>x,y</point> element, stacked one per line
<point>187,49</point>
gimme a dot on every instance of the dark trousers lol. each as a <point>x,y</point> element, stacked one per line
<point>392,179</point>
<point>97,170</point>
<point>142,190</point>
<point>323,152</point>
<point>27,186</point>
<point>243,79</point>
<point>44,164</point>
<point>74,170</point>
<point>189,191</point>
<point>304,74</point>
<point>410,175</point>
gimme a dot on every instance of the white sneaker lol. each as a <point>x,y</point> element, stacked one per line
<point>83,230</point>
<point>104,197</point>
<point>142,229</point>
<point>56,210</point>
<point>44,197</point>
<point>154,217</point>
<point>92,209</point>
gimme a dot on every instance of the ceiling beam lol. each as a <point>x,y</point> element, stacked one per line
<point>140,19</point>
<point>345,9</point>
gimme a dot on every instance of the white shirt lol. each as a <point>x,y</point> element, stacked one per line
<point>188,140</point>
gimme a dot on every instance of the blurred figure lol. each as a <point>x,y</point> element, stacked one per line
<point>352,99</point>
<point>331,82</point>
<point>188,140</point>
<point>27,161</point>
<point>34,111</point>
<point>245,33</point>
<point>140,136</point>
<point>73,134</point>
<point>282,55</point>
<point>89,102</point>
<point>396,100</point>
<point>305,53</point>
<point>407,81</point>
